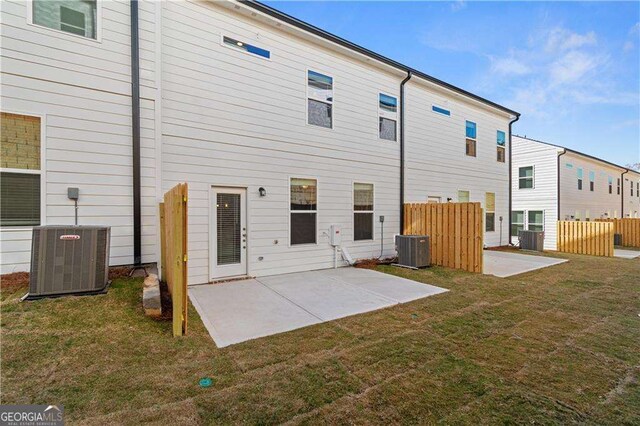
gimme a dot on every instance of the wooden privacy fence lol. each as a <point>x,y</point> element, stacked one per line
<point>455,232</point>
<point>594,238</point>
<point>628,227</point>
<point>173,244</point>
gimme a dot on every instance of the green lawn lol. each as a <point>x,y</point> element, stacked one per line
<point>560,345</point>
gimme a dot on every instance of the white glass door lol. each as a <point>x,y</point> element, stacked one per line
<point>229,232</point>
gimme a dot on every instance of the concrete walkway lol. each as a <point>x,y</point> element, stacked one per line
<point>505,264</point>
<point>237,311</point>
<point>626,254</point>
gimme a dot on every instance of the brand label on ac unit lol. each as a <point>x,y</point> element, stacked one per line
<point>69,237</point>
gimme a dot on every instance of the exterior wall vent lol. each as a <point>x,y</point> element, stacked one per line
<point>68,260</point>
<point>413,250</point>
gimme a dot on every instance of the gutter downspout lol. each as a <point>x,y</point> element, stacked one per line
<point>409,75</point>
<point>622,192</point>
<point>564,151</point>
<point>510,177</point>
<point>135,129</point>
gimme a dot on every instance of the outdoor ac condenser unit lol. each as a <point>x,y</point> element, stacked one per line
<point>531,240</point>
<point>413,250</point>
<point>68,260</point>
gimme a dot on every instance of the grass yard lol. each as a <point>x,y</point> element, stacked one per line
<point>559,345</point>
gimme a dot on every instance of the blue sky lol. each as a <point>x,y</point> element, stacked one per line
<point>571,68</point>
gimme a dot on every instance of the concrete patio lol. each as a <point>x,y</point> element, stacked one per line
<point>626,254</point>
<point>506,264</point>
<point>238,311</point>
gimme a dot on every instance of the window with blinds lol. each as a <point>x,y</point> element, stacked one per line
<point>229,228</point>
<point>303,211</point>
<point>20,170</point>
<point>362,211</point>
<point>490,212</point>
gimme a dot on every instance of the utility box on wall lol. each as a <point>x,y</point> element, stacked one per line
<point>335,235</point>
<point>68,260</point>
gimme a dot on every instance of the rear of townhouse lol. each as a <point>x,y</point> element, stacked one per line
<point>280,131</point>
<point>554,183</point>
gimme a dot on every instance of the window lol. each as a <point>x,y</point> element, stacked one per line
<point>490,215</point>
<point>463,196</point>
<point>610,185</point>
<point>535,220</point>
<point>304,210</point>
<point>245,47</point>
<point>71,16</point>
<point>501,141</point>
<point>580,179</point>
<point>362,211</point>
<point>638,189</point>
<point>319,99</point>
<point>439,110</point>
<point>525,177</point>
<point>434,199</point>
<point>387,116</point>
<point>517,222</point>
<point>471,139</point>
<point>631,186</point>
<point>592,178</point>
<point>618,186</point>
<point>20,170</point>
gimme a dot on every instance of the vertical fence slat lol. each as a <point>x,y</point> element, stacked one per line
<point>590,238</point>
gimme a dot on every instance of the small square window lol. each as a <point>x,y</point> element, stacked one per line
<point>463,196</point>
<point>388,103</point>
<point>320,114</point>
<point>471,129</point>
<point>525,177</point>
<point>501,154</point>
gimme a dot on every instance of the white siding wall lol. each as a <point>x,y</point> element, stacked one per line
<point>231,118</point>
<point>83,89</point>
<point>435,154</point>
<point>597,203</point>
<point>631,203</point>
<point>543,196</point>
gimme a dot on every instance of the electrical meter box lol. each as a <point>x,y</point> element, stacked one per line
<point>335,235</point>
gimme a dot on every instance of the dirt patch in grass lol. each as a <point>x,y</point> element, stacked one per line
<point>555,347</point>
<point>14,282</point>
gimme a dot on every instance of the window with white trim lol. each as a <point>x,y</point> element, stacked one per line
<point>470,133</point>
<point>362,211</point>
<point>517,222</point>
<point>618,186</point>
<point>303,207</point>
<point>387,117</point>
<point>246,47</point>
<point>525,177</point>
<point>490,212</point>
<point>20,170</point>
<point>610,185</point>
<point>579,173</point>
<point>592,180</point>
<point>319,99</point>
<point>463,196</point>
<point>535,220</point>
<point>501,141</point>
<point>77,17</point>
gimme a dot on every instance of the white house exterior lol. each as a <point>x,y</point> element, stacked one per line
<point>589,188</point>
<point>280,131</point>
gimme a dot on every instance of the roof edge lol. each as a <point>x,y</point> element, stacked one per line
<point>579,153</point>
<point>254,4</point>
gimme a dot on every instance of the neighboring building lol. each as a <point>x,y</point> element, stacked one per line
<point>552,183</point>
<point>280,129</point>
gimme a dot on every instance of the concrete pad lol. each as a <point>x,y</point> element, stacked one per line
<point>237,311</point>
<point>626,254</point>
<point>505,264</point>
<point>324,297</point>
<point>399,289</point>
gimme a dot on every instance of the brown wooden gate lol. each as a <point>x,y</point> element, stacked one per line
<point>628,227</point>
<point>173,242</point>
<point>455,232</point>
<point>593,238</point>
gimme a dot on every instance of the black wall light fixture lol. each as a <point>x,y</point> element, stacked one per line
<point>262,192</point>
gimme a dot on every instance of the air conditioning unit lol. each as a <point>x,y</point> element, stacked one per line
<point>413,250</point>
<point>531,240</point>
<point>68,260</point>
